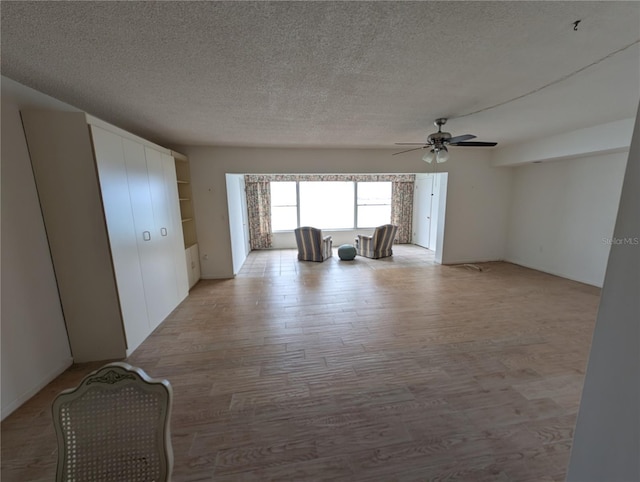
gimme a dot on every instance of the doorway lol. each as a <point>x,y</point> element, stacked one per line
<point>429,199</point>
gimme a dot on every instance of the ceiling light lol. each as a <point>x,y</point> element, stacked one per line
<point>429,156</point>
<point>442,155</point>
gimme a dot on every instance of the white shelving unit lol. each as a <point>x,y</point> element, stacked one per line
<point>185,197</point>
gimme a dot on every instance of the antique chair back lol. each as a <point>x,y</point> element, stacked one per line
<point>114,426</point>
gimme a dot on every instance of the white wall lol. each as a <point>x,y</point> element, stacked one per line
<point>601,139</point>
<point>236,227</point>
<point>477,208</point>
<point>478,194</point>
<point>563,212</point>
<point>606,443</point>
<point>35,347</point>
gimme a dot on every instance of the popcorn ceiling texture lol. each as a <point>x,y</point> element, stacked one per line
<point>360,74</point>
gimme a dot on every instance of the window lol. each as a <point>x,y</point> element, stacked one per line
<point>284,206</point>
<point>329,204</point>
<point>373,204</point>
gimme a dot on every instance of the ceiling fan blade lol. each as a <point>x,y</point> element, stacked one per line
<point>411,143</point>
<point>408,150</point>
<point>475,144</point>
<point>464,137</point>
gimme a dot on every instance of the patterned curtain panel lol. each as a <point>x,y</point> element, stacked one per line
<point>402,209</point>
<point>259,207</point>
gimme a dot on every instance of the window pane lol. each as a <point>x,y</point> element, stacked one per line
<point>374,204</point>
<point>284,218</point>
<point>283,193</point>
<point>374,193</point>
<point>327,205</point>
<point>372,216</point>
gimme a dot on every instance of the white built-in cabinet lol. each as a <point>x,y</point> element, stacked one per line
<point>187,215</point>
<point>110,205</point>
<point>193,264</point>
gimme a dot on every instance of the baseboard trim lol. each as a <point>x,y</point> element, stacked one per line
<point>471,260</point>
<point>19,401</point>
<point>553,272</point>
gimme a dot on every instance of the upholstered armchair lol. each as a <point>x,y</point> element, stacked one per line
<point>312,246</point>
<point>379,245</point>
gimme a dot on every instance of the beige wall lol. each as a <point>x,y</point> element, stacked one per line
<point>35,348</point>
<point>478,194</point>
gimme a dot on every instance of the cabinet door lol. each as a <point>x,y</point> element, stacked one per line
<point>193,264</point>
<point>195,260</point>
<point>112,173</point>
<point>166,288</point>
<point>152,263</point>
<point>171,189</point>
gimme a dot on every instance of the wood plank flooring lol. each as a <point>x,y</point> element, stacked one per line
<point>373,370</point>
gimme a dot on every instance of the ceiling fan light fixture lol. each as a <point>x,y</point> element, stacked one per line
<point>438,141</point>
<point>442,155</point>
<point>429,156</point>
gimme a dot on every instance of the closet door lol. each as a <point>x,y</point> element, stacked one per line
<point>165,297</point>
<point>149,249</point>
<point>112,173</point>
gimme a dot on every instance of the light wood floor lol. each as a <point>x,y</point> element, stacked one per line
<point>371,370</point>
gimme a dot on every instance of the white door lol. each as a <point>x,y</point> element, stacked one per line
<point>235,205</point>
<point>164,289</point>
<point>422,196</point>
<point>112,173</point>
<point>435,206</point>
<point>245,216</point>
<point>150,249</point>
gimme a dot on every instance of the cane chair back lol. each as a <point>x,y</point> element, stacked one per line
<point>114,427</point>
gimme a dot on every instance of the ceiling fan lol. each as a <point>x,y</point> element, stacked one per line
<point>438,141</point>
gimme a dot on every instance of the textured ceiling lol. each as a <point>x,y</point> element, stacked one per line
<point>329,73</point>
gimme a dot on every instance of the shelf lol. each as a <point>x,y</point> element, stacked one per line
<point>185,199</point>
